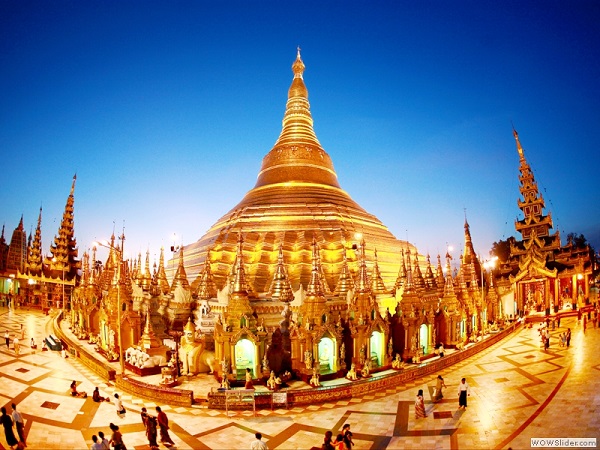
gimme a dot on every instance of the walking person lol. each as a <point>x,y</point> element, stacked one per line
<point>7,338</point>
<point>18,420</point>
<point>258,444</point>
<point>163,423</point>
<point>420,405</point>
<point>7,422</point>
<point>463,391</point>
<point>103,441</point>
<point>546,339</point>
<point>437,392</point>
<point>328,441</point>
<point>150,426</point>
<point>568,337</point>
<point>16,345</point>
<point>348,442</point>
<point>97,445</point>
<point>116,439</point>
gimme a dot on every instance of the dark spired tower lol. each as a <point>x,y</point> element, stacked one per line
<point>297,198</point>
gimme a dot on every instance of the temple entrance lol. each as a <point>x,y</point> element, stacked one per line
<point>424,338</point>
<point>376,349</point>
<point>245,351</point>
<point>326,355</point>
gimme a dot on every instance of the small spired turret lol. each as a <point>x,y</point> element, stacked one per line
<point>181,303</point>
<point>281,289</point>
<point>377,284</point>
<point>239,311</point>
<point>345,284</point>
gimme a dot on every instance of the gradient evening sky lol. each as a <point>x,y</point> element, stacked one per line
<point>166,109</point>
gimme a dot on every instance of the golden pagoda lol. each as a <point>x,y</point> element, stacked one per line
<point>296,199</point>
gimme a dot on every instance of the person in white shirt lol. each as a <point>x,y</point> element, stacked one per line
<point>463,392</point>
<point>104,442</point>
<point>18,420</point>
<point>97,445</point>
<point>258,444</point>
<point>119,405</point>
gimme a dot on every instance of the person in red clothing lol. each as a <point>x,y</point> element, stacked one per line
<point>163,423</point>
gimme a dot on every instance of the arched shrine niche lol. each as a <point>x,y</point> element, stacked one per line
<point>424,338</point>
<point>245,352</point>
<point>327,355</point>
<point>377,348</point>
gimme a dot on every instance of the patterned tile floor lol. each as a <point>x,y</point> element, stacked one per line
<point>518,391</point>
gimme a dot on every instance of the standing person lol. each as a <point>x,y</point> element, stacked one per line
<point>249,384</point>
<point>437,394</point>
<point>420,405</point>
<point>339,442</point>
<point>151,432</point>
<point>116,440</point>
<point>103,441</point>
<point>7,338</point>
<point>97,445</point>
<point>163,423</point>
<point>258,444</point>
<point>463,392</point>
<point>568,337</point>
<point>119,406</point>
<point>328,441</point>
<point>18,420</point>
<point>7,422</point>
<point>348,442</point>
<point>16,345</point>
<point>546,339</point>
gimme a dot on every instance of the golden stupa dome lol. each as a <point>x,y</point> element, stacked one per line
<point>296,198</point>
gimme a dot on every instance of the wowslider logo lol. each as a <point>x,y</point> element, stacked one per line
<point>563,442</point>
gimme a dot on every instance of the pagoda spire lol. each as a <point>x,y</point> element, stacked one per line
<point>449,284</point>
<point>377,285</point>
<point>281,288</point>
<point>439,273</point>
<point>401,278</point>
<point>362,281</point>
<point>239,281</point>
<point>146,276</point>
<point>315,287</point>
<point>533,204</point>
<point>163,283</point>
<point>297,155</point>
<point>207,288</point>
<point>34,256</point>
<point>345,281</point>
<point>63,250</point>
<point>180,278</point>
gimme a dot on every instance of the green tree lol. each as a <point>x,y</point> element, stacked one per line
<point>501,249</point>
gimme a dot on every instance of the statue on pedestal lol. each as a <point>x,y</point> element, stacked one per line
<point>192,353</point>
<point>351,375</point>
<point>314,381</point>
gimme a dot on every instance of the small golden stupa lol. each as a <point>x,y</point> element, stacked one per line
<point>296,199</point>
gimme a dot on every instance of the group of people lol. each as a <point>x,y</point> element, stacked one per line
<point>565,338</point>
<point>116,440</point>
<point>343,440</point>
<point>463,392</point>
<point>15,419</point>
<point>153,424</point>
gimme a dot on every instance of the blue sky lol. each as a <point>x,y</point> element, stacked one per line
<point>166,109</point>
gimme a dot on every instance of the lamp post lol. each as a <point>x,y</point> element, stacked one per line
<point>120,262</point>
